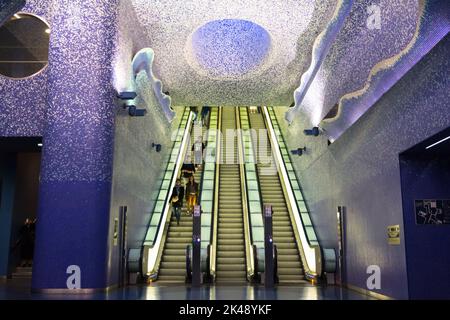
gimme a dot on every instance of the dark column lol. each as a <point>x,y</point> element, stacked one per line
<point>75,186</point>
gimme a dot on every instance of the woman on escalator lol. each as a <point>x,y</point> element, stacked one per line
<point>191,194</point>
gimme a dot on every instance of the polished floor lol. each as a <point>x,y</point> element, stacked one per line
<point>20,290</point>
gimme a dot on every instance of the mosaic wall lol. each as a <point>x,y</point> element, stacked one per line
<point>361,169</point>
<point>174,29</point>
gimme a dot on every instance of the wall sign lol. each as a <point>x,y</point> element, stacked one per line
<point>268,211</point>
<point>393,234</point>
<point>432,211</point>
<point>197,211</point>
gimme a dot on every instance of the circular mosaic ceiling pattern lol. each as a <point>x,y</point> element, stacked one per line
<point>229,47</point>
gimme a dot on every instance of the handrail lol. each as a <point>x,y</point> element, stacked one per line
<point>247,232</point>
<point>311,254</point>
<point>254,200</point>
<point>213,247</point>
<point>152,252</point>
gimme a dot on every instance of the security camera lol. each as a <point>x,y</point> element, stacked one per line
<point>299,151</point>
<point>156,146</point>
<point>312,132</point>
<point>135,112</point>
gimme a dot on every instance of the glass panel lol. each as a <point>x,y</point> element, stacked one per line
<point>257,220</point>
<point>168,175</point>
<point>253,195</point>
<point>255,206</point>
<point>155,219</point>
<point>206,194</point>
<point>165,184</point>
<point>206,205</point>
<point>251,175</point>
<point>208,184</point>
<point>306,220</point>
<point>310,233</point>
<point>205,234</point>
<point>298,194</point>
<point>159,207</point>
<point>252,185</point>
<point>150,235</point>
<point>302,206</point>
<point>257,234</point>
<point>162,194</point>
<point>210,167</point>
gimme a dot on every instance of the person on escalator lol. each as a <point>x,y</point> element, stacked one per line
<point>188,169</point>
<point>177,200</point>
<point>191,194</point>
<point>198,149</point>
<point>205,113</point>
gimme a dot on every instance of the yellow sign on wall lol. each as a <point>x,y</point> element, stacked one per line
<point>394,234</point>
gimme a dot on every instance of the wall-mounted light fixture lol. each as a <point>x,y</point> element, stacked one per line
<point>156,146</point>
<point>299,151</point>
<point>133,111</point>
<point>312,132</point>
<point>127,95</point>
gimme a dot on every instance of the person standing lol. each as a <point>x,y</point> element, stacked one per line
<point>198,148</point>
<point>177,200</point>
<point>26,242</point>
<point>191,194</point>
<point>188,169</point>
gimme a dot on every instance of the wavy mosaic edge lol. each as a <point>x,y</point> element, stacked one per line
<point>143,61</point>
<point>321,47</point>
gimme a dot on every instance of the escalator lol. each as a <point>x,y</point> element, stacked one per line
<point>173,261</point>
<point>290,268</point>
<point>231,259</point>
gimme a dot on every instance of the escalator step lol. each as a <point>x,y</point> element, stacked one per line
<point>230,260</point>
<point>231,267</point>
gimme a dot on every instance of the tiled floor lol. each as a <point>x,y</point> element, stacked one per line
<point>20,290</point>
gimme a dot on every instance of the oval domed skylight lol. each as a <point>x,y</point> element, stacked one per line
<point>230,47</point>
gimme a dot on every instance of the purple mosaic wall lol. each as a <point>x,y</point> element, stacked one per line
<point>361,170</point>
<point>76,172</point>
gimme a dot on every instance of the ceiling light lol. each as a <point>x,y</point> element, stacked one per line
<point>47,31</point>
<point>39,145</point>
<point>16,16</point>
<point>436,143</point>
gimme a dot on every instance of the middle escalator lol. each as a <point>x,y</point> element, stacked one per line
<point>231,254</point>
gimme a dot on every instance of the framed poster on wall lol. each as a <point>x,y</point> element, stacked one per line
<point>432,211</point>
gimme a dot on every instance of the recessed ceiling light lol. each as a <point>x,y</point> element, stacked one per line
<point>435,144</point>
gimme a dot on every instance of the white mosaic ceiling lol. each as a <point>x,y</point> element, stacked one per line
<point>269,77</point>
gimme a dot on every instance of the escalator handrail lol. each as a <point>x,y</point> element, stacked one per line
<point>316,248</point>
<point>290,185</point>
<point>213,247</point>
<point>247,231</point>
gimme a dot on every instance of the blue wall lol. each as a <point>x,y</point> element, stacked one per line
<point>427,246</point>
<point>361,169</point>
<point>76,172</point>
